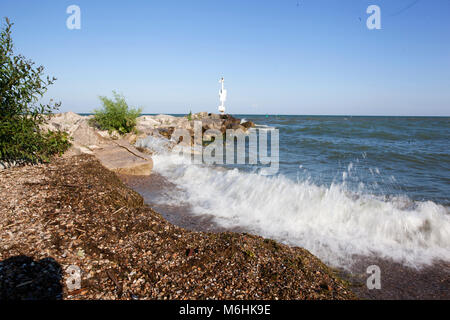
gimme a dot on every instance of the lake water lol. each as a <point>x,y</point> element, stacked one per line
<point>346,187</point>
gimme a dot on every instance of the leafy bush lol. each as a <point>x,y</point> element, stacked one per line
<point>56,142</point>
<point>21,86</point>
<point>116,115</point>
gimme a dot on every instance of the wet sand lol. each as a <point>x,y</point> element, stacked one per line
<point>397,280</point>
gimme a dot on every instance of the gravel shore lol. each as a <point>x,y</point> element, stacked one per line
<point>74,212</point>
<point>398,281</point>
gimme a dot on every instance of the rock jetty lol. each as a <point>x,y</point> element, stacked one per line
<point>118,153</point>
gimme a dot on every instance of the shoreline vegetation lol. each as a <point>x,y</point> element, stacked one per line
<point>22,84</point>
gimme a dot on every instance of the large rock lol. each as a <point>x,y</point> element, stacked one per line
<point>230,122</point>
<point>84,136</point>
<point>166,132</point>
<point>166,119</point>
<point>122,157</point>
<point>116,155</point>
<point>215,124</point>
<point>145,123</point>
<point>248,124</point>
<point>117,152</point>
<point>166,123</point>
<point>214,116</point>
<point>200,115</point>
<point>67,121</point>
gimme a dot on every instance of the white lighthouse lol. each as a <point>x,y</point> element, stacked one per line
<point>222,97</point>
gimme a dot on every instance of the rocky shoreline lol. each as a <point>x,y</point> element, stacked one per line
<point>74,213</point>
<point>122,153</point>
<point>80,211</point>
<point>74,219</point>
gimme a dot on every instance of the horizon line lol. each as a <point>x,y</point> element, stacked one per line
<point>286,114</point>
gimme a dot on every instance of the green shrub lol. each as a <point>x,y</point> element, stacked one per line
<point>56,142</point>
<point>21,116</point>
<point>116,115</point>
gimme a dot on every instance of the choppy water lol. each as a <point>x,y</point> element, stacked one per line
<point>347,186</point>
<point>391,156</point>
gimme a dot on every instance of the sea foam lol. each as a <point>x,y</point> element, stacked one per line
<point>332,222</point>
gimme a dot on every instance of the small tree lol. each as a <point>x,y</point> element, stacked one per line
<point>116,115</point>
<point>21,86</point>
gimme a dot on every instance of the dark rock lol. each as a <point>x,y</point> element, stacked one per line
<point>248,124</point>
<point>215,124</point>
<point>166,132</point>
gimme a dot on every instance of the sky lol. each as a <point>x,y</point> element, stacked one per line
<point>277,57</point>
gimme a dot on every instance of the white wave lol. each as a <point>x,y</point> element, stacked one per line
<point>155,144</point>
<point>263,126</point>
<point>332,222</point>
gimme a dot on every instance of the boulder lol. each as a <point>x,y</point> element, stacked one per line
<point>86,135</point>
<point>200,115</point>
<point>165,119</point>
<point>248,124</point>
<point>122,157</point>
<point>235,126</point>
<point>166,132</point>
<point>117,152</point>
<point>131,138</point>
<point>145,123</point>
<point>214,116</point>
<point>114,151</point>
<point>230,123</point>
<point>215,124</point>
<point>184,123</point>
<point>67,121</point>
<point>83,135</point>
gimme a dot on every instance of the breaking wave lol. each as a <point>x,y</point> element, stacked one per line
<point>332,222</point>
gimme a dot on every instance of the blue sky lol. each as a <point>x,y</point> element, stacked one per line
<point>277,57</point>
